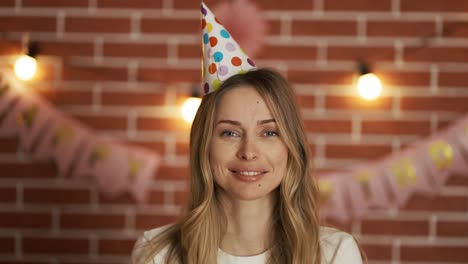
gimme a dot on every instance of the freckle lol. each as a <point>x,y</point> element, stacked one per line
<point>259,185</point>
<point>257,102</point>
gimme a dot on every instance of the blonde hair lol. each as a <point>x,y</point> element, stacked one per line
<point>296,234</point>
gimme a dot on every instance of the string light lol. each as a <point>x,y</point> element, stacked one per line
<point>190,106</point>
<point>26,65</point>
<point>368,84</point>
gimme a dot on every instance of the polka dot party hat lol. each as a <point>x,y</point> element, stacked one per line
<point>222,56</point>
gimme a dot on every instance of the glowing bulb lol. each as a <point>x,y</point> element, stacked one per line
<point>369,86</point>
<point>25,67</point>
<point>189,109</point>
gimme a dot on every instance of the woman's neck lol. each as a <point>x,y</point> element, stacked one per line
<point>249,226</point>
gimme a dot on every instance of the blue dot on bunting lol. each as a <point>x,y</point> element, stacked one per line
<point>206,39</point>
<point>218,56</point>
<point>224,34</point>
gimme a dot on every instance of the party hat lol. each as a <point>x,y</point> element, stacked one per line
<point>222,56</point>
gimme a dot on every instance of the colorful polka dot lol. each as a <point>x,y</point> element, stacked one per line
<point>215,84</point>
<point>209,27</point>
<point>223,70</point>
<point>206,87</point>
<point>250,62</point>
<point>206,39</point>
<point>203,10</point>
<point>236,61</point>
<point>218,56</point>
<point>212,68</point>
<point>217,21</point>
<point>224,33</point>
<point>203,23</point>
<point>230,47</point>
<point>213,41</point>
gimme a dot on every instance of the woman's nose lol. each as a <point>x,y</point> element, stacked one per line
<point>247,150</point>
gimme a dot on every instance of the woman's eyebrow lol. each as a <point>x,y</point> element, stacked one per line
<point>237,123</point>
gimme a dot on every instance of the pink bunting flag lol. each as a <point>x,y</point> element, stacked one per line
<point>143,165</point>
<point>333,197</point>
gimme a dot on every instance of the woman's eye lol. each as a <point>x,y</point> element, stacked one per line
<point>229,134</point>
<point>271,133</point>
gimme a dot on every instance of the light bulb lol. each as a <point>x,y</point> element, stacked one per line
<point>189,109</point>
<point>25,67</point>
<point>369,86</point>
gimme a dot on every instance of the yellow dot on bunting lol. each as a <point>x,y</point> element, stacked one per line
<point>209,27</point>
<point>215,84</point>
<point>242,72</point>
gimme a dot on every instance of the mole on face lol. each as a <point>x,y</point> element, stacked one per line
<point>259,185</point>
<point>258,102</point>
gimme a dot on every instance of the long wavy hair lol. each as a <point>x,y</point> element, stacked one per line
<point>195,239</point>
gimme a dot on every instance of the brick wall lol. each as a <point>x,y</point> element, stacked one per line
<point>108,63</point>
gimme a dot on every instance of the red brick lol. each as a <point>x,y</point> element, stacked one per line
<point>168,75</point>
<point>288,53</point>
<point>25,262</point>
<point>124,198</point>
<point>434,253</point>
<point>434,5</point>
<point>7,3</point>
<point>182,149</point>
<point>135,50</point>
<point>343,226</point>
<point>401,29</point>
<point>371,54</point>
<point>51,245</point>
<point>457,180</point>
<point>94,74</point>
<point>144,4</point>
<point>25,24</point>
<point>262,4</point>
<point>56,196</point>
<point>451,104</point>
<point>458,29</point>
<point>189,51</point>
<point>170,26</point>
<point>171,173</point>
<point>328,126</point>
<point>132,99</point>
<point>306,101</point>
<point>7,245</point>
<point>356,103</point>
<point>377,252</point>
<point>324,28</point>
<point>115,247</point>
<point>146,221</point>
<point>357,5</point>
<point>452,228</point>
<point>66,97</point>
<point>181,198</point>
<point>147,123</point>
<point>453,79</point>
<point>8,145</point>
<point>7,195</point>
<point>7,48</point>
<point>27,170</point>
<point>356,151</point>
<point>92,221</point>
<point>54,3</point>
<point>320,77</point>
<point>25,220</point>
<point>404,78</point>
<point>420,202</point>
<point>103,122</point>
<point>97,25</point>
<point>436,54</point>
<point>156,197</point>
<point>274,27</point>
<point>66,49</point>
<point>395,227</point>
<point>396,127</point>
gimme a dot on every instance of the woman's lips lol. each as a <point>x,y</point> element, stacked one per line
<point>249,175</point>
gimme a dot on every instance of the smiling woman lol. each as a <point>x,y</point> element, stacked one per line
<point>252,197</point>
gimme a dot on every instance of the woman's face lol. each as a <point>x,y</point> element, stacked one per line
<point>247,156</point>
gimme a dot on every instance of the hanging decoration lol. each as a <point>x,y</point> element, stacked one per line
<point>49,134</point>
<point>389,182</point>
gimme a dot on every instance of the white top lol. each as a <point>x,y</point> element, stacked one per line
<point>331,240</point>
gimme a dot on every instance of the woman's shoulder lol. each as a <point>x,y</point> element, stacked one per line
<point>143,244</point>
<point>339,247</point>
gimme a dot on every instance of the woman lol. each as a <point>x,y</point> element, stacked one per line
<point>252,198</point>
